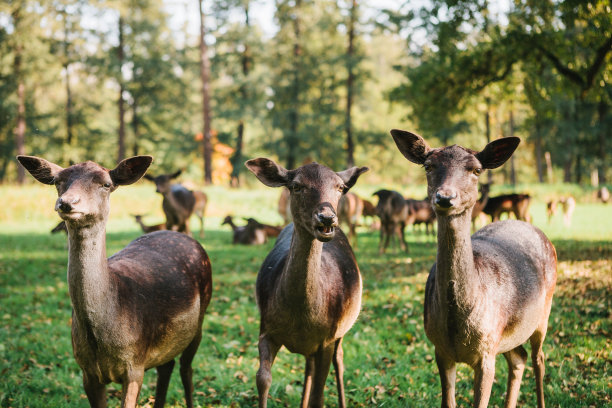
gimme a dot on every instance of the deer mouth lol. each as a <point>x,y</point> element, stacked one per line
<point>325,232</point>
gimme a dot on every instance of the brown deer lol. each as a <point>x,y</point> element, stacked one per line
<point>179,202</point>
<point>350,209</point>
<point>148,228</point>
<point>141,307</point>
<point>517,204</point>
<point>420,212</point>
<point>488,294</point>
<point>284,208</point>
<point>251,234</point>
<point>568,205</point>
<point>309,286</point>
<point>270,230</point>
<point>392,210</point>
<point>485,189</point>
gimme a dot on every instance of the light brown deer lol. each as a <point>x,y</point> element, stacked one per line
<point>309,286</point>
<point>138,309</point>
<point>488,294</point>
<point>350,209</point>
<point>179,203</point>
<point>148,228</point>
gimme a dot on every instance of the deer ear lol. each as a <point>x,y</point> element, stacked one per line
<point>149,177</point>
<point>350,176</point>
<point>176,174</point>
<point>41,169</point>
<point>497,152</point>
<point>411,145</point>
<point>268,172</point>
<point>130,170</point>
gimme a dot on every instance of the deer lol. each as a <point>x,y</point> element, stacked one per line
<point>568,205</point>
<point>284,206</point>
<point>485,189</point>
<point>518,204</point>
<point>270,230</point>
<point>350,209</point>
<point>179,203</point>
<point>60,227</point>
<point>392,210</point>
<point>138,309</point>
<point>148,228</point>
<point>252,233</point>
<point>308,288</point>
<point>487,294</point>
<point>420,212</point>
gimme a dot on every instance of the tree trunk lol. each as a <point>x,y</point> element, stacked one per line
<point>603,132</point>
<point>69,114</point>
<point>20,126</point>
<point>135,127</point>
<point>206,116</point>
<point>294,115</point>
<point>578,169</point>
<point>488,134</point>
<point>350,161</point>
<point>237,157</point>
<point>538,151</point>
<point>567,170</point>
<point>512,160</point>
<point>549,169</point>
<point>120,101</point>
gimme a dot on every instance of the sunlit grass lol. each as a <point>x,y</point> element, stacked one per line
<point>389,360</point>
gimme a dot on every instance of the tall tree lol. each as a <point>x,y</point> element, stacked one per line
<point>120,100</point>
<point>206,112</point>
<point>20,127</point>
<point>350,84</point>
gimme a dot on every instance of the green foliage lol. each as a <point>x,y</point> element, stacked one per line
<point>389,361</point>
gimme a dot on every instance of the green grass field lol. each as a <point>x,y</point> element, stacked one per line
<point>389,361</point>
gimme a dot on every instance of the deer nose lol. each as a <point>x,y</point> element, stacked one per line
<point>64,204</point>
<point>443,199</point>
<point>326,216</point>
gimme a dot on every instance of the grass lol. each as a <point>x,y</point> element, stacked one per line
<point>389,360</point>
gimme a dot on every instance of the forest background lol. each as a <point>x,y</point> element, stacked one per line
<point>305,80</point>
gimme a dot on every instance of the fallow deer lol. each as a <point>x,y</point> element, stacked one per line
<point>350,209</point>
<point>138,309</point>
<point>392,210</point>
<point>488,294</point>
<point>249,234</point>
<point>309,286</point>
<point>148,228</point>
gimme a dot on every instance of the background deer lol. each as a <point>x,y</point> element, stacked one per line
<point>309,286</point>
<point>147,228</point>
<point>141,307</point>
<point>488,294</point>
<point>392,211</point>
<point>518,204</point>
<point>179,202</point>
<point>568,205</point>
<point>252,233</point>
<point>420,212</point>
<point>350,209</point>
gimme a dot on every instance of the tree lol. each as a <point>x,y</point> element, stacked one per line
<point>206,112</point>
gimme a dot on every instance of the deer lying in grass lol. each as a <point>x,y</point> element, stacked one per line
<point>249,234</point>
<point>148,228</point>
<point>392,210</point>
<point>309,286</point>
<point>179,202</point>
<point>350,209</point>
<point>270,230</point>
<point>488,294</point>
<point>141,307</point>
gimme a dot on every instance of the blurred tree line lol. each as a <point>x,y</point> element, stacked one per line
<point>102,80</point>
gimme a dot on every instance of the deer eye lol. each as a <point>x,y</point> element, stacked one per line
<point>296,188</point>
<point>340,188</point>
<point>106,185</point>
<point>428,167</point>
<point>477,171</point>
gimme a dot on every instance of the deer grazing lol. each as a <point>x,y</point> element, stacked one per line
<point>488,294</point>
<point>309,286</point>
<point>350,209</point>
<point>392,210</point>
<point>179,202</point>
<point>252,233</point>
<point>568,205</point>
<point>138,309</point>
<point>518,204</point>
<point>148,228</point>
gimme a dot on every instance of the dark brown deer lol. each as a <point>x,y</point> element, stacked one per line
<point>138,309</point>
<point>179,202</point>
<point>270,230</point>
<point>249,234</point>
<point>148,228</point>
<point>392,211</point>
<point>517,204</point>
<point>488,294</point>
<point>350,209</point>
<point>309,286</point>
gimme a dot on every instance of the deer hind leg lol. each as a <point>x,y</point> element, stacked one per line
<point>95,390</point>
<point>308,374</point>
<point>131,387</point>
<point>187,371</point>
<point>448,375</point>
<point>516,359</point>
<point>163,380</point>
<point>338,361</point>
<point>537,358</point>
<point>267,354</point>
<point>484,374</point>
<point>323,359</point>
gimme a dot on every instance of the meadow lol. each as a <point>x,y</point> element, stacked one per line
<point>389,361</point>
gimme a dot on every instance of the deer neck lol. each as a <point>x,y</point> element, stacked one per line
<point>455,271</point>
<point>88,275</point>
<point>301,281</point>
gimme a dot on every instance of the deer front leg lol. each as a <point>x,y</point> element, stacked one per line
<point>267,354</point>
<point>484,373</point>
<point>323,358</point>
<point>95,390</point>
<point>131,387</point>
<point>448,375</point>
<point>338,361</point>
<point>516,365</point>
